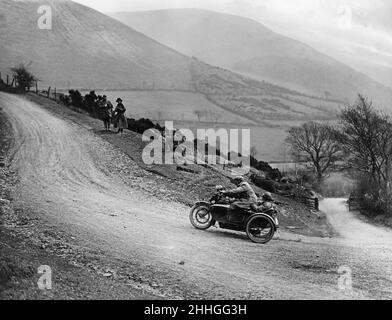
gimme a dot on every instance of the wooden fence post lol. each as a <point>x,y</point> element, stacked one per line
<point>36,87</point>
<point>49,92</point>
<point>7,79</point>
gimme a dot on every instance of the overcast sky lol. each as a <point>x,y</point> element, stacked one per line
<point>360,27</point>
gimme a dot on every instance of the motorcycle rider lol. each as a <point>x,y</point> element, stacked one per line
<point>267,202</point>
<point>246,196</point>
<point>267,206</point>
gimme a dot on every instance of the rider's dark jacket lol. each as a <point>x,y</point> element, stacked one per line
<point>244,192</point>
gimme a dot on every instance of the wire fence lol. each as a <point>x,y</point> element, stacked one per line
<point>354,203</point>
<point>312,203</point>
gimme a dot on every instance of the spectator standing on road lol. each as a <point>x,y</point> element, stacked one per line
<point>121,120</point>
<point>109,114</point>
<point>104,107</point>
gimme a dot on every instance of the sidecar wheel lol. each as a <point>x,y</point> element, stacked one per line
<point>201,217</point>
<point>260,229</point>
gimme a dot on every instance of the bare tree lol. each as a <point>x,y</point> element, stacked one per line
<point>215,117</point>
<point>253,152</point>
<point>24,78</point>
<point>198,114</point>
<point>315,143</point>
<point>366,136</point>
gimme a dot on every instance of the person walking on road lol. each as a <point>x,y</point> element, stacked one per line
<point>105,108</point>
<point>109,115</point>
<point>119,112</point>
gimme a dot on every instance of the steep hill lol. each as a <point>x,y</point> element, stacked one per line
<point>86,49</point>
<point>246,46</point>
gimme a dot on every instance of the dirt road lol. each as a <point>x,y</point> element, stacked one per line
<point>68,181</point>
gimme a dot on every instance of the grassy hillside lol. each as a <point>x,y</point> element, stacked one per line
<point>86,49</point>
<point>216,38</point>
<point>258,100</point>
<point>246,46</point>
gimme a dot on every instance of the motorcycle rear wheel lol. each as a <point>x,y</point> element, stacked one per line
<point>200,217</point>
<point>260,229</point>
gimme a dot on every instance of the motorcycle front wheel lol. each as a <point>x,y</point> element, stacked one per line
<point>200,217</point>
<point>260,229</point>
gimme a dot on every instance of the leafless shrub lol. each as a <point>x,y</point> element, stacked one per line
<point>315,144</point>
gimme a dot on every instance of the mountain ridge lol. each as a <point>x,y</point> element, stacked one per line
<point>241,45</point>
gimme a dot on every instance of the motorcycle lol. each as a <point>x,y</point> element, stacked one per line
<point>259,227</point>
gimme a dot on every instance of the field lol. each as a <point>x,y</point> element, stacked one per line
<point>172,105</point>
<point>269,141</point>
<point>180,107</point>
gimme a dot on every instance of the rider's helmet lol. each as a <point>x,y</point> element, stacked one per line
<point>267,197</point>
<point>239,179</point>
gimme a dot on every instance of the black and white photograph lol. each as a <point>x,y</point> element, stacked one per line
<point>170,152</point>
